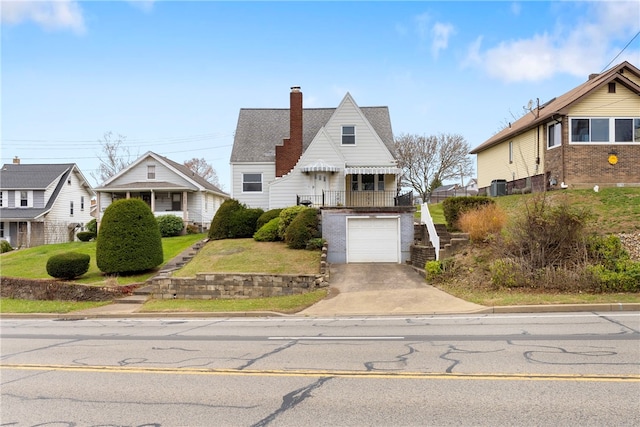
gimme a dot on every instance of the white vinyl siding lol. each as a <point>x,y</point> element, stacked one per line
<point>252,199</point>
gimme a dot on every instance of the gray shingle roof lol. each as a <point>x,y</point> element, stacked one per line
<point>259,130</point>
<point>22,214</point>
<point>30,177</point>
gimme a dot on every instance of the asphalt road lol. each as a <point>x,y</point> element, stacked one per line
<point>543,369</point>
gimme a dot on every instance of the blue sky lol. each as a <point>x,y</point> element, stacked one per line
<point>172,76</point>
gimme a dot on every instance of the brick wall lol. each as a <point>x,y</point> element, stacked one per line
<point>288,154</point>
<point>587,165</point>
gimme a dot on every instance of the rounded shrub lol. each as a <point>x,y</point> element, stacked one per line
<point>129,240</point>
<point>286,216</point>
<point>68,265</point>
<point>267,216</point>
<point>268,232</point>
<point>193,229</point>
<point>304,227</point>
<point>170,225</point>
<point>85,236</point>
<point>5,246</point>
<point>221,223</point>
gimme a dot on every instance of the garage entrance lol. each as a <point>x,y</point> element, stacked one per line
<point>373,239</point>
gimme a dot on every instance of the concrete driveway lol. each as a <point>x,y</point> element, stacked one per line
<point>379,289</point>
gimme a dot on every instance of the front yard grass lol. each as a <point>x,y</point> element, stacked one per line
<point>31,263</point>
<point>283,304</point>
<point>8,305</point>
<point>249,256</point>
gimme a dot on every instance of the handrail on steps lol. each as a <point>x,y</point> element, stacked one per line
<point>425,218</point>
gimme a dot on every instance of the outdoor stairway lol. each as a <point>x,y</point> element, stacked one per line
<point>141,294</point>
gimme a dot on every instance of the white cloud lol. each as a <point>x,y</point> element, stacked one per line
<point>441,33</point>
<point>516,8</point>
<point>144,5</point>
<point>580,46</point>
<point>50,15</point>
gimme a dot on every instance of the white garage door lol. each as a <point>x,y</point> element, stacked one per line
<point>373,239</point>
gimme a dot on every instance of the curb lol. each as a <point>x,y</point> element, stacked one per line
<point>532,309</point>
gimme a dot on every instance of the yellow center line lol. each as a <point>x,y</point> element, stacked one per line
<point>330,373</point>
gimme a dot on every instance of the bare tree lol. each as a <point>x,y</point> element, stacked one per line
<point>204,169</point>
<point>113,158</point>
<point>427,160</point>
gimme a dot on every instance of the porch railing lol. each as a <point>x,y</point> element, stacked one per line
<point>356,199</point>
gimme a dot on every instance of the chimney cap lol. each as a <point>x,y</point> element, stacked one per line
<point>295,88</point>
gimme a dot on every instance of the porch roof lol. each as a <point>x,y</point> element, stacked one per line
<point>22,214</point>
<point>144,186</point>
<point>372,170</point>
<point>320,166</point>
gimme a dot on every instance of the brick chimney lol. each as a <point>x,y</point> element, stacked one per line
<point>16,160</point>
<point>288,154</point>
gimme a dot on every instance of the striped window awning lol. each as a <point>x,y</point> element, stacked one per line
<point>372,170</point>
<point>320,166</point>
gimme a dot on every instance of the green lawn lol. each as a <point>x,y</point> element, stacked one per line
<point>8,305</point>
<point>283,304</point>
<point>31,263</point>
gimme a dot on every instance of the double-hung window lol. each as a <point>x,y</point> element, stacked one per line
<point>24,199</point>
<point>348,135</point>
<point>151,171</point>
<point>71,208</point>
<point>605,129</point>
<point>554,135</point>
<point>251,182</point>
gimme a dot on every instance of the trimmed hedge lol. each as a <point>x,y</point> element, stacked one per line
<point>287,216</point>
<point>453,207</point>
<point>170,225</point>
<point>303,228</point>
<point>268,232</point>
<point>234,220</point>
<point>68,265</point>
<point>85,236</point>
<point>267,216</point>
<point>129,240</point>
<point>92,226</point>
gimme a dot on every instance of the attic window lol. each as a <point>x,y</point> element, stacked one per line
<point>612,88</point>
<point>348,135</point>
<point>151,171</point>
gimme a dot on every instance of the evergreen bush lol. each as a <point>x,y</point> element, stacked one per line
<point>286,216</point>
<point>170,225</point>
<point>268,232</point>
<point>5,246</point>
<point>267,216</point>
<point>221,222</point>
<point>129,240</point>
<point>243,222</point>
<point>304,227</point>
<point>68,265</point>
<point>85,236</point>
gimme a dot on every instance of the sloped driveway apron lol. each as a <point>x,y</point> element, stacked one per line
<point>384,289</point>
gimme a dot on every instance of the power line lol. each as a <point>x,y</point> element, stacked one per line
<point>623,49</point>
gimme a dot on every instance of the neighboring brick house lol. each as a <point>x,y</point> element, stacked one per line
<point>588,136</point>
<point>341,160</point>
<point>43,203</point>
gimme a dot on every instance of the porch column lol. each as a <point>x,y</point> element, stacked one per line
<point>28,234</point>
<point>153,201</point>
<point>185,213</point>
<point>98,216</point>
<point>128,194</point>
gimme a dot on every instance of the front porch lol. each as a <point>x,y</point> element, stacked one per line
<point>329,198</point>
<point>160,202</point>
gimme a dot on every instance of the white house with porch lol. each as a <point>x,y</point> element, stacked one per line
<point>168,187</point>
<point>341,160</point>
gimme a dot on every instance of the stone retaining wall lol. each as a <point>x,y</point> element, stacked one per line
<point>52,289</point>
<point>236,285</point>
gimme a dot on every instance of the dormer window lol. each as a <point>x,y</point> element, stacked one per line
<point>151,171</point>
<point>348,135</point>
